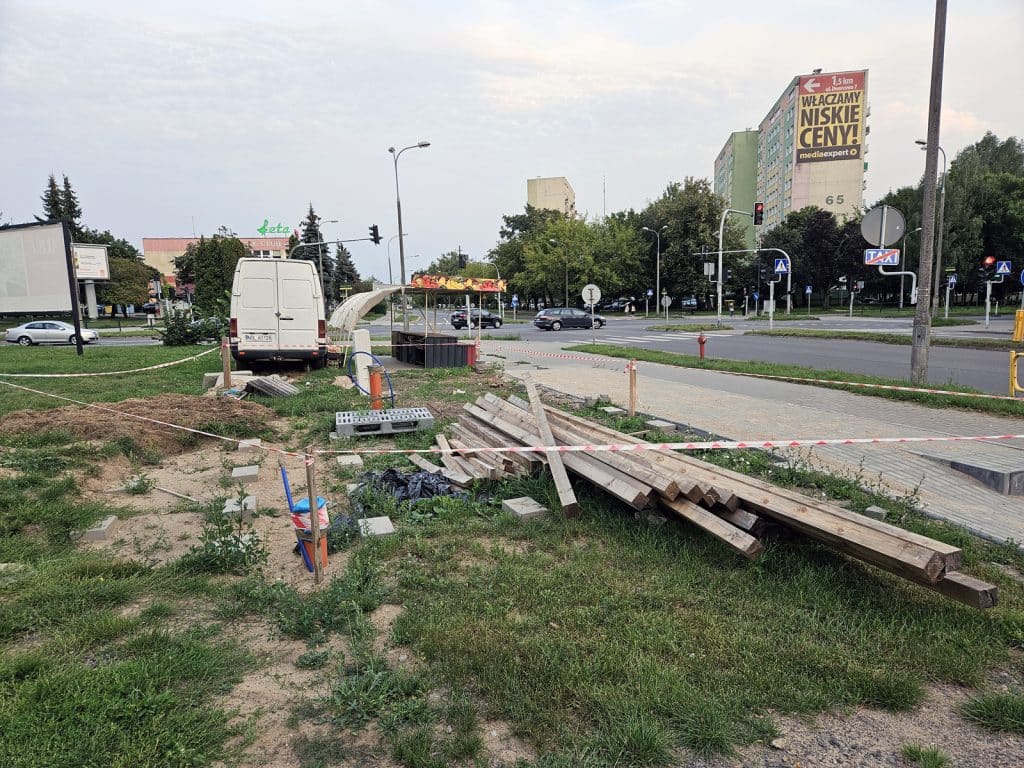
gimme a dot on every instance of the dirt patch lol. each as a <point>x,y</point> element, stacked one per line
<point>873,738</point>
<point>503,747</point>
<point>183,410</point>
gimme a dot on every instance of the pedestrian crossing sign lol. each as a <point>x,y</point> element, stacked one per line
<point>1002,267</point>
<point>781,266</point>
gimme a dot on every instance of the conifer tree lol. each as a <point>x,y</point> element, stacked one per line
<point>53,208</point>
<point>70,209</point>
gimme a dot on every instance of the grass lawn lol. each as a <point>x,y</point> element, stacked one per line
<point>599,641</point>
<point>894,338</point>
<point>691,327</point>
<point>1003,407</point>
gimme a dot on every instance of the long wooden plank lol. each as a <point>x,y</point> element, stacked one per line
<point>455,478</point>
<point>566,496</point>
<point>479,461</point>
<point>607,478</point>
<point>966,589</point>
<point>502,460</point>
<point>742,542</point>
<point>454,463</point>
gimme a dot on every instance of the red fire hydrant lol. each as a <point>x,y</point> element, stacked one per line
<point>701,341</point>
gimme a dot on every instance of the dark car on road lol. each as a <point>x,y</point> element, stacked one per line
<point>557,318</point>
<point>477,317</point>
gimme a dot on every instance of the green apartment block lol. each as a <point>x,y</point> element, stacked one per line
<point>736,177</point>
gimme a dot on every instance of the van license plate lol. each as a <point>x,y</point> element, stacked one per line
<point>264,337</point>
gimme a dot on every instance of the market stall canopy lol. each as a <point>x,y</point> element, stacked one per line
<point>352,310</point>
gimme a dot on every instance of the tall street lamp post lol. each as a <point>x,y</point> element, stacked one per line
<point>938,237</point>
<point>657,268</point>
<point>906,260</point>
<point>398,204</point>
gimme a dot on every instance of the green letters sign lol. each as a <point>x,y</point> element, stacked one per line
<point>280,229</point>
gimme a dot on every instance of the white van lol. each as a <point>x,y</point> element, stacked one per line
<point>277,312</point>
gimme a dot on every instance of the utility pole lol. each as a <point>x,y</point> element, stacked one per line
<point>922,315</point>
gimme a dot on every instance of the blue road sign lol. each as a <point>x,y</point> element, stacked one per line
<point>515,299</point>
<point>756,295</point>
<point>650,291</point>
<point>781,266</point>
<point>877,257</point>
<point>1022,277</point>
<point>807,290</point>
<point>952,279</point>
<point>1002,267</point>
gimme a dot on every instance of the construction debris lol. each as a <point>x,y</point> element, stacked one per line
<point>735,508</point>
<point>274,386</point>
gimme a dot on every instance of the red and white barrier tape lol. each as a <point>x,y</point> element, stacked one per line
<point>705,445</point>
<point>106,373</point>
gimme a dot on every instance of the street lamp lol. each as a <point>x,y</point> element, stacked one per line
<point>906,258</point>
<point>938,240</point>
<point>565,250</point>
<point>398,204</point>
<point>391,279</point>
<point>657,268</point>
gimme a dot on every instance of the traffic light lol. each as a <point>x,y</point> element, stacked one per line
<point>988,268</point>
<point>463,259</point>
<point>375,235</point>
<point>727,274</point>
<point>762,272</point>
<point>758,214</point>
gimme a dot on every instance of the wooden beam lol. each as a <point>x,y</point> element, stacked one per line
<point>739,540</point>
<point>570,507</point>
<point>455,478</point>
<point>967,590</point>
<point>530,462</point>
<point>472,440</point>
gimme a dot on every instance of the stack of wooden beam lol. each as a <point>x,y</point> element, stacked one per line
<point>732,507</point>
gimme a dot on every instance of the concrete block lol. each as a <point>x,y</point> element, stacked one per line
<point>247,507</point>
<point>350,488</point>
<point>214,379</point>
<point>376,526</point>
<point>350,460</point>
<point>253,444</point>
<point>665,426</point>
<point>875,512</point>
<point>247,474</point>
<point>102,531</point>
<point>612,410</point>
<point>335,436</point>
<point>524,508</point>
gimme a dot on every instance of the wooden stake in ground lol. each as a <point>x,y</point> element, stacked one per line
<point>570,507</point>
<point>225,356</point>
<point>314,514</point>
<point>632,387</point>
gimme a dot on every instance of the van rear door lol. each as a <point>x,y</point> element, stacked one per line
<point>298,301</point>
<point>257,307</point>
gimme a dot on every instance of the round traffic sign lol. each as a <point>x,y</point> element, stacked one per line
<point>591,294</point>
<point>666,301</point>
<point>871,226</point>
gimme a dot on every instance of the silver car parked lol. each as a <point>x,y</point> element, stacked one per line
<point>48,332</point>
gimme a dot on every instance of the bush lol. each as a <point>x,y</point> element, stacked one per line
<point>179,330</point>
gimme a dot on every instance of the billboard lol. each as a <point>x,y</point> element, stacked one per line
<point>33,269</point>
<point>91,262</point>
<point>444,282</point>
<point>830,117</point>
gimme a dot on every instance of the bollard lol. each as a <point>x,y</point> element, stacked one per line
<point>701,341</point>
<point>225,358</point>
<point>376,387</point>
<point>631,368</point>
<point>1015,385</point>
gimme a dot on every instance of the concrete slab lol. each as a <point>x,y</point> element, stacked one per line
<point>102,531</point>
<point>245,475</point>
<point>665,426</point>
<point>253,444</point>
<point>350,460</point>
<point>875,512</point>
<point>247,507</point>
<point>612,410</point>
<point>1000,468</point>
<point>524,508</point>
<point>350,488</point>
<point>376,526</point>
<point>214,379</point>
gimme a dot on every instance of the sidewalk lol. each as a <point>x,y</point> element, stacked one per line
<point>742,408</point>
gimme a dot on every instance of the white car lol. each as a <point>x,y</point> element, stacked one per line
<point>48,332</point>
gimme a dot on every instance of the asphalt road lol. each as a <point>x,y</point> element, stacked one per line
<point>985,370</point>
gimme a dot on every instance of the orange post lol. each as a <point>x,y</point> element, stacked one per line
<point>701,341</point>
<point>376,388</point>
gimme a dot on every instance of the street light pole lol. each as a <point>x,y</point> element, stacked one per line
<point>718,277</point>
<point>938,237</point>
<point>398,204</point>
<point>906,260</point>
<point>657,263</point>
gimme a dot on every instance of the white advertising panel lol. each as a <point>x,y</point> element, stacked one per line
<point>91,262</point>
<point>33,269</point>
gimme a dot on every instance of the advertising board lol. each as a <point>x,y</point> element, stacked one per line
<point>33,269</point>
<point>91,262</point>
<point>830,117</point>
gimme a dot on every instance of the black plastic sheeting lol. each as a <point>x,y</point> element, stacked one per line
<point>410,486</point>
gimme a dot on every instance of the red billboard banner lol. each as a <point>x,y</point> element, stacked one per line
<point>830,117</point>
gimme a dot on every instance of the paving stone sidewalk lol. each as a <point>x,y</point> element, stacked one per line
<point>756,409</point>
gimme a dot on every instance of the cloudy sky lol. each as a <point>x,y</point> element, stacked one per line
<point>230,112</point>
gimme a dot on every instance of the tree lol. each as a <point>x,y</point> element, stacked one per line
<point>71,210</point>
<point>214,260</point>
<point>319,255</point>
<point>129,283</point>
<point>345,273</point>
<point>53,207</point>
<point>117,247</point>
